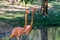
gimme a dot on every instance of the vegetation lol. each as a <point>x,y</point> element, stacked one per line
<point>52,21</point>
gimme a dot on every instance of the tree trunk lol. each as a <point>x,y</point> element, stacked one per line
<point>44,11</point>
<point>44,33</point>
<point>44,7</point>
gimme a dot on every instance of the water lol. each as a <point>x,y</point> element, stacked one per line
<point>4,34</point>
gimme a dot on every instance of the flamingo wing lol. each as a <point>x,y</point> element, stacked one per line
<point>28,29</point>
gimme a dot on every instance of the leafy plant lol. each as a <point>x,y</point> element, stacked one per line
<point>27,1</point>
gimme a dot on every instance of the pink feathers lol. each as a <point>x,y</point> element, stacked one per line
<point>18,31</point>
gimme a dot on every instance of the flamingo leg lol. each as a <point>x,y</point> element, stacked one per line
<point>21,37</point>
<point>18,38</point>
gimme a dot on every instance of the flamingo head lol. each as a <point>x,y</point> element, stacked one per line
<point>33,9</point>
<point>27,11</point>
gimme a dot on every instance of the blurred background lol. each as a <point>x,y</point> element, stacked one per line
<point>13,11</point>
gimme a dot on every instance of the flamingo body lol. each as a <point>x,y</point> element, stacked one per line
<point>18,31</point>
<point>28,29</point>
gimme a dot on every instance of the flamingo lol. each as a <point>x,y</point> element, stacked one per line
<point>18,31</point>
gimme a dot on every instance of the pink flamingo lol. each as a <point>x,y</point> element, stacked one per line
<point>18,31</point>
